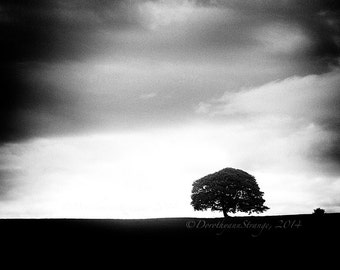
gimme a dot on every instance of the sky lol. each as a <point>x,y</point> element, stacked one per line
<point>112,109</point>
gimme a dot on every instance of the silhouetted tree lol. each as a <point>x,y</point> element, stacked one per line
<point>228,190</point>
<point>319,211</point>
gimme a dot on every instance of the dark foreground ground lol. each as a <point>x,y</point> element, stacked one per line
<point>154,237</point>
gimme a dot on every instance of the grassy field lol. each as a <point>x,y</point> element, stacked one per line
<point>248,227</point>
<point>171,235</point>
<point>171,240</point>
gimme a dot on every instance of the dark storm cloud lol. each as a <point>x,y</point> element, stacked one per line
<point>319,19</point>
<point>46,31</point>
<point>58,30</point>
<point>35,33</point>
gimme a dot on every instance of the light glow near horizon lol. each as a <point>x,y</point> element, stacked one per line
<point>150,174</point>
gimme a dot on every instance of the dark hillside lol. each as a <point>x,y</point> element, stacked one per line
<point>171,236</point>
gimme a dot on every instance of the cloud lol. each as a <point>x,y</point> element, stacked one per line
<point>148,95</point>
<point>10,171</point>
<point>73,30</point>
<point>46,32</point>
<point>312,97</point>
<point>59,30</point>
<point>6,183</point>
<point>318,21</point>
<point>297,103</point>
<point>283,39</point>
<point>163,13</point>
<point>185,51</point>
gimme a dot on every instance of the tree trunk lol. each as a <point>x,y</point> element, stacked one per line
<point>225,212</point>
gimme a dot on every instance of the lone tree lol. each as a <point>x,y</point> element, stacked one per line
<point>228,190</point>
<point>319,211</point>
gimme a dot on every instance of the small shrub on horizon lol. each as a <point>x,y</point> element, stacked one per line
<point>319,211</point>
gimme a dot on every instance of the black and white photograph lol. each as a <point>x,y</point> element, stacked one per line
<point>170,119</point>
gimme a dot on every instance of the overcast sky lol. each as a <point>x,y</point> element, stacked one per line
<point>113,108</point>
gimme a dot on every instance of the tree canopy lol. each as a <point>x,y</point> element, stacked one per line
<point>229,190</point>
